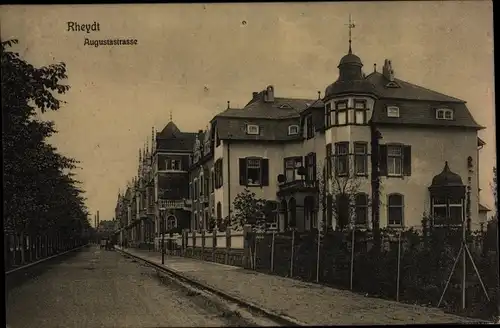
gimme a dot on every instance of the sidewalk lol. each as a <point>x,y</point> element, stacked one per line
<point>305,302</point>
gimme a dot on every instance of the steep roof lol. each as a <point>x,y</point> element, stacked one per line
<point>412,112</point>
<point>273,118</point>
<point>406,90</point>
<point>172,139</point>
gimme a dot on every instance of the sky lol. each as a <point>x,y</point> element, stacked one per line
<point>190,59</point>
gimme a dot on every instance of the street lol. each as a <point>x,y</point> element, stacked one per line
<point>97,288</point>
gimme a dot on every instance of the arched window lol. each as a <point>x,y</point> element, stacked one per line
<point>171,222</point>
<point>361,212</point>
<point>292,206</point>
<point>329,211</point>
<point>195,223</point>
<point>219,211</point>
<point>395,209</point>
<point>310,212</point>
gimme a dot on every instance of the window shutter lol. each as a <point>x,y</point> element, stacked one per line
<point>407,160</point>
<point>314,166</point>
<point>328,160</point>
<point>265,171</point>
<point>216,173</point>
<point>307,167</point>
<point>221,172</point>
<point>383,160</point>
<point>243,172</point>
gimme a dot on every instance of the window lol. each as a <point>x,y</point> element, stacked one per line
<point>195,189</point>
<point>212,182</point>
<point>392,111</point>
<point>447,211</point>
<point>329,159</point>
<point>361,211</point>
<point>360,111</point>
<point>293,130</point>
<point>444,114</point>
<point>309,127</point>
<point>173,164</point>
<point>285,106</point>
<point>202,185</point>
<point>341,111</point>
<point>361,158</point>
<point>328,114</point>
<point>292,165</point>
<point>311,167</point>
<point>254,171</point>
<point>252,129</point>
<point>341,158</point>
<point>218,173</point>
<point>190,192</point>
<point>395,207</point>
<point>394,160</point>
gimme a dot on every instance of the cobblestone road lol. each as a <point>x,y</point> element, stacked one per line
<point>97,288</point>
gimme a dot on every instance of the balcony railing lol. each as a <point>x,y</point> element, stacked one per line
<point>174,204</point>
<point>298,186</point>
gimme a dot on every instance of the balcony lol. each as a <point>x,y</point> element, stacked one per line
<point>181,204</point>
<point>302,186</point>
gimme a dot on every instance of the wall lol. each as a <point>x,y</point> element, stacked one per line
<point>430,149</point>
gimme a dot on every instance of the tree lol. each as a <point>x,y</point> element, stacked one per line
<point>40,193</point>
<point>338,195</point>
<point>247,210</point>
<point>494,189</point>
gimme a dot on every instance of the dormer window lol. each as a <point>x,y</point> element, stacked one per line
<point>444,114</point>
<point>293,130</point>
<point>392,111</point>
<point>252,129</point>
<point>285,106</point>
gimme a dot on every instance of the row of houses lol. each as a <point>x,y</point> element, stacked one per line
<point>389,142</point>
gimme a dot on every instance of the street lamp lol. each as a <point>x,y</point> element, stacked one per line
<point>162,229</point>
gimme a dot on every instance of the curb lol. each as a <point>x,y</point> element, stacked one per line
<point>43,260</point>
<point>280,318</point>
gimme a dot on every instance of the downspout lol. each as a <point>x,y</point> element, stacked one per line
<point>229,181</point>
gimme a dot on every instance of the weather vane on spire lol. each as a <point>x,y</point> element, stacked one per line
<point>351,25</point>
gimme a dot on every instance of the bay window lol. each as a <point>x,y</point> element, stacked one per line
<point>292,165</point>
<point>342,158</point>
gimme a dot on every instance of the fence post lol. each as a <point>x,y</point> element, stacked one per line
<point>228,245</point>
<point>214,243</point>
<point>202,245</point>
<point>272,253</point>
<point>247,247</point>
<point>317,256</point>
<point>23,246</point>
<point>292,255</point>
<point>255,250</point>
<point>352,255</point>
<point>399,266</point>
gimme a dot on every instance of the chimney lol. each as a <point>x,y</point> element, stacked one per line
<point>387,70</point>
<point>200,131</point>
<point>269,94</point>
